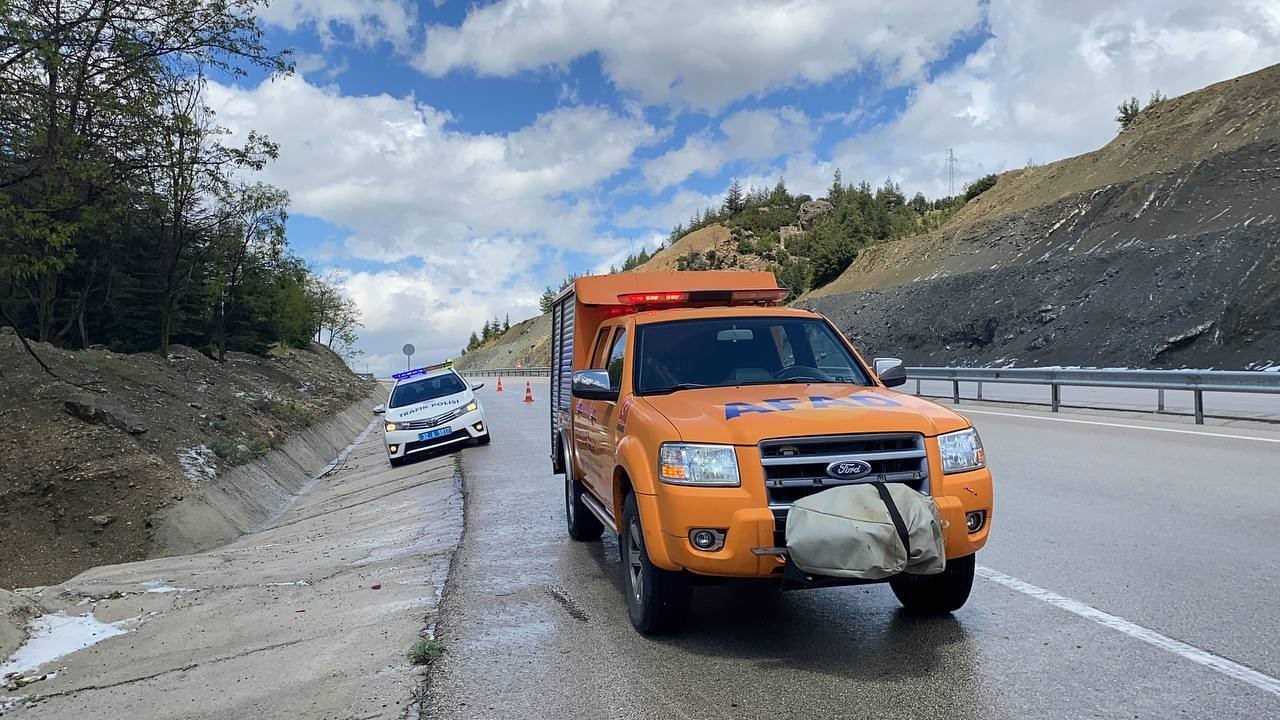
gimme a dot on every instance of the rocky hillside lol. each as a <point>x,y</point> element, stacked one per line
<point>87,458</point>
<point>1159,250</point>
<point>526,344</point>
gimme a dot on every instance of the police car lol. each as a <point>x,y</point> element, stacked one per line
<point>431,408</point>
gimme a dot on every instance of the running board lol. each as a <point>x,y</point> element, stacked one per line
<point>598,510</point>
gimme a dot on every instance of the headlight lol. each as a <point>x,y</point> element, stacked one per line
<point>685,464</point>
<point>390,427</point>
<point>471,406</point>
<point>961,451</point>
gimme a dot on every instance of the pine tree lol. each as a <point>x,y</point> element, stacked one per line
<point>1127,112</point>
<point>780,194</point>
<point>734,201</point>
<point>836,192</point>
<point>506,323</point>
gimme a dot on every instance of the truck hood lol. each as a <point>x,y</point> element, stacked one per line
<point>745,415</point>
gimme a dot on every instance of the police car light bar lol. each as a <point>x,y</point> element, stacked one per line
<point>422,370</point>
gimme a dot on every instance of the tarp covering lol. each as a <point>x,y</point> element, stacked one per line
<point>850,532</point>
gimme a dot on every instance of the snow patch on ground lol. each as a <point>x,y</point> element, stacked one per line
<point>155,586</point>
<point>56,636</point>
<point>198,463</point>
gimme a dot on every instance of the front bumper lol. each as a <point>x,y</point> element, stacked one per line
<point>749,525</point>
<point>407,442</point>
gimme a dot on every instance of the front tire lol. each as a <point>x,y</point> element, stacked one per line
<point>937,594</point>
<point>583,525</point>
<point>657,600</point>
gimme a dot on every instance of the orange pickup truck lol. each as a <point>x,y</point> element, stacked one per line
<point>691,414</point>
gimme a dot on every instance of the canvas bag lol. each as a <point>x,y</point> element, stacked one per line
<point>868,531</point>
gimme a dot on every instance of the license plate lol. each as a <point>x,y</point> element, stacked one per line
<point>438,432</point>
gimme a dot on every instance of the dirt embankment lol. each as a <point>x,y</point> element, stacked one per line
<point>88,462</point>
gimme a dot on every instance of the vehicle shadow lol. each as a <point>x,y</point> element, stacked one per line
<point>857,632</point>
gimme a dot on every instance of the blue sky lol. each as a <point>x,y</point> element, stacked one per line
<point>450,159</point>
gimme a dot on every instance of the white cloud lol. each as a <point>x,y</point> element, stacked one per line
<point>703,55</point>
<point>478,209</point>
<point>751,135</point>
<point>369,22</point>
<point>394,172</point>
<point>1045,86</point>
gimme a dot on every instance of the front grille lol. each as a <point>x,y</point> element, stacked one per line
<point>797,467</point>
<point>431,422</point>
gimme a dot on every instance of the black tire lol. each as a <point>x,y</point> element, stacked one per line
<point>397,462</point>
<point>485,439</point>
<point>657,600</point>
<point>583,525</point>
<point>936,594</point>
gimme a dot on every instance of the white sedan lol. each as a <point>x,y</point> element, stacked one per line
<point>431,408</point>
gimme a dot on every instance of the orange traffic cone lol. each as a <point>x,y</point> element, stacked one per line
<point>528,392</point>
<point>499,385</point>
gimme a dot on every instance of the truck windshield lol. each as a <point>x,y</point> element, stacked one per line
<point>720,352</point>
<point>425,389</point>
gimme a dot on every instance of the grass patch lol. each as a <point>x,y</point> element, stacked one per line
<point>290,412</point>
<point>425,652</point>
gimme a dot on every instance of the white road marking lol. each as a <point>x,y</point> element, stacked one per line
<point>1217,663</point>
<point>1122,425</point>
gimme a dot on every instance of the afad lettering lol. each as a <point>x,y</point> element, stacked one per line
<point>817,402</point>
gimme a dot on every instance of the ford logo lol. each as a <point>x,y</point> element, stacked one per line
<point>848,469</point>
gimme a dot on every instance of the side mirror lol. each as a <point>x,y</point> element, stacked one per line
<point>891,371</point>
<point>477,386</point>
<point>379,409</point>
<point>593,385</point>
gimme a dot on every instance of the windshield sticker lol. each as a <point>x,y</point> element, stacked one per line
<point>817,402</point>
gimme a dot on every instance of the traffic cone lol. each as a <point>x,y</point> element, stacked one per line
<point>528,392</point>
<point>499,385</point>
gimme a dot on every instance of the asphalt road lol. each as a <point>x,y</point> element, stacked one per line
<point>1132,573</point>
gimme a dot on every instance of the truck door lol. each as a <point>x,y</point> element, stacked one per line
<point>585,434</point>
<point>603,416</point>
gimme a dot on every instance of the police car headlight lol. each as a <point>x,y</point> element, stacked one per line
<point>961,451</point>
<point>472,406</point>
<point>685,464</point>
<point>389,427</point>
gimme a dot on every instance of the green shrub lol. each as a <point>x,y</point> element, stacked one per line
<point>979,186</point>
<point>425,652</point>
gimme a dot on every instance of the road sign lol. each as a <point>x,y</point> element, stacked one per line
<point>408,351</point>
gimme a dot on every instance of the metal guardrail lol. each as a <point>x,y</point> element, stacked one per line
<point>1197,382</point>
<point>508,372</point>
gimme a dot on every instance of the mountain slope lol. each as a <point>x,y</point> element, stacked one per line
<point>1164,146</point>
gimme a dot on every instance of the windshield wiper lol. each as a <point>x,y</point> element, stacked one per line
<point>675,388</point>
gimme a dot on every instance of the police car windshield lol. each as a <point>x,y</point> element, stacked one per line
<point>416,391</point>
<point>722,352</point>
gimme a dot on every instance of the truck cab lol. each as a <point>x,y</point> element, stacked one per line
<point>690,412</point>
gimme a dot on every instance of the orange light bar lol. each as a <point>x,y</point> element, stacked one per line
<point>661,298</point>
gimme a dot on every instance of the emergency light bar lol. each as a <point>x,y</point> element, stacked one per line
<point>704,296</point>
<point>422,370</point>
